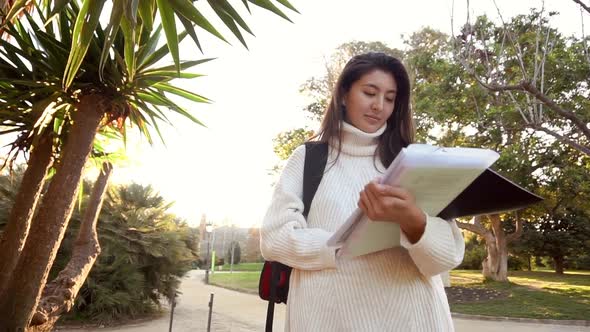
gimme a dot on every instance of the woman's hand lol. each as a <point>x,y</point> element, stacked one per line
<point>394,204</point>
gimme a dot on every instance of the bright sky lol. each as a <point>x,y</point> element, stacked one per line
<point>222,170</point>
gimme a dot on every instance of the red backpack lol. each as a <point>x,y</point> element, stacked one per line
<point>274,278</point>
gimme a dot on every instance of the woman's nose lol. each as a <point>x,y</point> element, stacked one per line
<point>378,105</point>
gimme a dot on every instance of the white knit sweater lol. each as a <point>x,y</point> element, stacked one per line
<point>397,289</point>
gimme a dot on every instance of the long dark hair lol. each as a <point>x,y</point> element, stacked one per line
<point>400,125</point>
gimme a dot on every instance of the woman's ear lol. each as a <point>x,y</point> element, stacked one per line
<point>343,97</point>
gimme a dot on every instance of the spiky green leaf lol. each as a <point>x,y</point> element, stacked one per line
<point>268,5</point>
<point>188,10</point>
<point>146,12</point>
<point>190,29</point>
<point>86,23</point>
<point>181,92</point>
<point>111,32</point>
<point>169,24</point>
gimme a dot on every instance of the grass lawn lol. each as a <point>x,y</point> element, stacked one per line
<point>529,294</point>
<point>246,281</point>
<point>244,267</point>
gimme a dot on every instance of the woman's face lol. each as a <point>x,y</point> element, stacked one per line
<point>369,103</point>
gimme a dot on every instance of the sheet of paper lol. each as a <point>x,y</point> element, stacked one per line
<point>383,235</point>
<point>435,188</point>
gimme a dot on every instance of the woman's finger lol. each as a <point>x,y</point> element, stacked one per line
<point>374,197</point>
<point>361,204</point>
<point>367,203</point>
<point>364,202</point>
<point>393,191</point>
<point>373,187</point>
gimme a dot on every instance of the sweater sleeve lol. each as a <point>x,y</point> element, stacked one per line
<point>284,236</point>
<point>440,248</point>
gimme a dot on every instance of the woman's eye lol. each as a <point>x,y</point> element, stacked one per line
<point>369,93</point>
<point>390,100</point>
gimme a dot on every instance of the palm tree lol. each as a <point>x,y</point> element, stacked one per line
<point>162,246</point>
<point>77,78</point>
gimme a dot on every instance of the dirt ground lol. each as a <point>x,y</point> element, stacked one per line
<point>457,294</point>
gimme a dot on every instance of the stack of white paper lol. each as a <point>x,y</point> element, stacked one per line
<point>434,175</point>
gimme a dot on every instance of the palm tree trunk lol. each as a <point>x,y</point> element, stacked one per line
<point>23,291</point>
<point>59,295</point>
<point>19,221</point>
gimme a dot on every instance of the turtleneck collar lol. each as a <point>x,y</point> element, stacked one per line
<point>359,143</point>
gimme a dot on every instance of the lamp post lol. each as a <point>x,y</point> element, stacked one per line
<point>208,229</point>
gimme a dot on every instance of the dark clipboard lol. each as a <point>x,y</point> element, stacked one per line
<point>488,194</point>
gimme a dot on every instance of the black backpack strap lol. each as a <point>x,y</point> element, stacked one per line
<point>274,280</point>
<point>316,157</point>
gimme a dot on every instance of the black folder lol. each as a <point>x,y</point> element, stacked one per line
<point>488,194</point>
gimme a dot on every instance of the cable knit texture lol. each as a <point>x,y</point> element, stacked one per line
<point>398,289</point>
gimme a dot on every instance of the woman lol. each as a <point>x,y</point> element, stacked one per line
<point>366,124</point>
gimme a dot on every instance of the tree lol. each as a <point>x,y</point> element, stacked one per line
<point>25,203</point>
<point>107,77</point>
<point>450,103</point>
<point>564,235</point>
<point>534,68</point>
<point>237,253</point>
<point>561,228</point>
<point>495,265</point>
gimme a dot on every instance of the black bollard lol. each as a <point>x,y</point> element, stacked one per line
<point>172,313</point>
<point>210,311</point>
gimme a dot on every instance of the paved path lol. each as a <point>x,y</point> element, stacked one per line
<point>239,312</point>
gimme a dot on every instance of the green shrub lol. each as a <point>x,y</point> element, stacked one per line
<point>475,253</point>
<point>237,253</point>
<point>517,263</point>
<point>473,258</point>
<point>145,251</point>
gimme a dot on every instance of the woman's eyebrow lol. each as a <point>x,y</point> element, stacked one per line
<point>376,87</point>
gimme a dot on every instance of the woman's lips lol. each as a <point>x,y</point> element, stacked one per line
<point>372,118</point>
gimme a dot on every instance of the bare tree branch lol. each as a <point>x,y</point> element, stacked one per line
<point>584,35</point>
<point>561,138</point>
<point>530,88</point>
<point>519,53</point>
<point>476,227</point>
<point>527,86</point>
<point>517,232</point>
<point>537,38</point>
<point>546,51</point>
<point>583,5</point>
<point>499,88</point>
<point>519,109</point>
